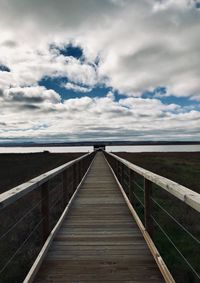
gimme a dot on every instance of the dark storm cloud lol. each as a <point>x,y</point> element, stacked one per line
<point>1,92</point>
<point>4,68</point>
<point>20,97</point>
<point>29,107</point>
<point>3,124</point>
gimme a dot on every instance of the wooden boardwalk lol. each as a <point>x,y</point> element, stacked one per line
<point>99,240</point>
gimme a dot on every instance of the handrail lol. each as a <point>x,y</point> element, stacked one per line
<point>161,264</point>
<point>184,194</point>
<point>48,195</point>
<point>127,174</point>
<point>17,192</point>
<point>38,261</point>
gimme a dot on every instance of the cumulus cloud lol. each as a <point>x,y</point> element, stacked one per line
<point>140,47</point>
<point>129,46</point>
<point>76,88</point>
<point>101,118</point>
<point>35,94</point>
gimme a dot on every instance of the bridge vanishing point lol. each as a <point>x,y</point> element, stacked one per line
<point>95,235</point>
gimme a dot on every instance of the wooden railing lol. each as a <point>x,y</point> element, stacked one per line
<point>29,212</point>
<point>166,211</point>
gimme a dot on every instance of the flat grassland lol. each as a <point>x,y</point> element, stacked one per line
<point>181,167</point>
<point>19,229</point>
<point>17,168</point>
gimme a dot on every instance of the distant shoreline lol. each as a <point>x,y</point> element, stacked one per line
<point>105,143</point>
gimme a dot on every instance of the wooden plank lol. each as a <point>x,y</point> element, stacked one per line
<point>35,267</point>
<point>161,264</point>
<point>99,241</point>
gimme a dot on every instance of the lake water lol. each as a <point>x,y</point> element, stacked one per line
<point>147,148</point>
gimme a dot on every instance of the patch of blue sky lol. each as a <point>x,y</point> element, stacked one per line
<point>197,4</point>
<point>184,102</point>
<point>69,50</point>
<point>160,90</point>
<point>159,93</point>
<point>56,84</point>
<point>4,68</point>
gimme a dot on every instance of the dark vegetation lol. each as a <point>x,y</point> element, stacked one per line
<point>17,168</point>
<point>183,168</point>
<point>21,223</point>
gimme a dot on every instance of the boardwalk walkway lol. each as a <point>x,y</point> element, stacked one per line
<point>99,240</point>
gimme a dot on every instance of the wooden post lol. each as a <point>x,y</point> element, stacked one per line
<point>118,170</point>
<point>77,174</point>
<point>122,177</point>
<point>79,171</point>
<point>65,188</point>
<point>130,186</point>
<point>116,167</point>
<point>148,206</point>
<point>45,210</point>
<point>74,176</point>
<point>81,168</point>
<point>71,181</point>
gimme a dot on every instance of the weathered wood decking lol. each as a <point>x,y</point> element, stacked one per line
<point>99,240</point>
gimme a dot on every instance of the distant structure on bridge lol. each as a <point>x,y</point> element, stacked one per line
<point>99,147</point>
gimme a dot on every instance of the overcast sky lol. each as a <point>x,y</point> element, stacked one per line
<point>99,69</point>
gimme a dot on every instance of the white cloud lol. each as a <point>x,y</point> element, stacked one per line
<point>76,88</point>
<point>34,94</point>
<point>140,45</point>
<point>98,118</point>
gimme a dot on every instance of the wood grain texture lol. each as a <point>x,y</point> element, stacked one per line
<point>99,241</point>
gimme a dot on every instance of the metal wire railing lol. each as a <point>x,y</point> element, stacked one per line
<point>42,200</point>
<point>140,190</point>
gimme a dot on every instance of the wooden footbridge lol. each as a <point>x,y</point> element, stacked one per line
<point>96,235</point>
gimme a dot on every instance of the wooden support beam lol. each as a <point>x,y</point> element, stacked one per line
<point>118,171</point>
<point>148,206</point>
<point>131,187</point>
<point>45,210</point>
<point>74,176</point>
<point>65,188</point>
<point>81,169</point>
<point>115,169</point>
<point>122,180</point>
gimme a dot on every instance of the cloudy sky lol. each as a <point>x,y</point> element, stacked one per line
<point>99,69</point>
